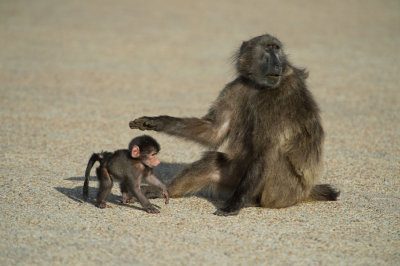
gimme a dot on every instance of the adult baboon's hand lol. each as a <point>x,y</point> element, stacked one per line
<point>146,123</point>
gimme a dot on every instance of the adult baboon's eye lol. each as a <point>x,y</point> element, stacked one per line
<point>272,47</point>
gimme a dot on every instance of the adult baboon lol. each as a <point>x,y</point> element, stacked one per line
<point>272,127</point>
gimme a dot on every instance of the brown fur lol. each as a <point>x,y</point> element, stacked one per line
<point>119,165</point>
<point>272,128</point>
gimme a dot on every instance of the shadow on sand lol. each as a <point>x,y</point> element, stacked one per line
<point>164,171</point>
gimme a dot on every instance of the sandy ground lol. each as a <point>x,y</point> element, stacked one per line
<point>73,73</point>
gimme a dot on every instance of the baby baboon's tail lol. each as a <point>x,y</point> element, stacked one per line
<point>94,158</point>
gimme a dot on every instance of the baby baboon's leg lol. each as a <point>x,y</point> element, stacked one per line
<point>106,184</point>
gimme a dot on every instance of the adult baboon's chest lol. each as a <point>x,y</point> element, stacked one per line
<point>266,116</point>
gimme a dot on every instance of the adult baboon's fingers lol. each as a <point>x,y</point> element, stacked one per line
<point>139,123</point>
<point>222,212</point>
<point>143,123</point>
<point>132,124</point>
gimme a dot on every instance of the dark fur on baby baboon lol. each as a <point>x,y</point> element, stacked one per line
<point>272,127</point>
<point>128,167</point>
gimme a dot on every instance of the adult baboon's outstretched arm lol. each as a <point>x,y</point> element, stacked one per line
<point>208,132</point>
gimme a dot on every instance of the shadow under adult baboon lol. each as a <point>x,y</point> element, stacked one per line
<point>272,127</point>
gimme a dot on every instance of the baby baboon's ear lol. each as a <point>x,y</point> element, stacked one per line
<point>135,153</point>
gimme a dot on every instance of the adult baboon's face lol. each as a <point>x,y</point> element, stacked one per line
<point>262,60</point>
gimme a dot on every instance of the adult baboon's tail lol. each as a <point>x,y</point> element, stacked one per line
<point>324,192</point>
<point>94,158</point>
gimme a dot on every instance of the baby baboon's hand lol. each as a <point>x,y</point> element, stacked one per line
<point>166,196</point>
<point>152,209</point>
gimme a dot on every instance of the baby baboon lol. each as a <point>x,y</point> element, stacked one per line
<point>128,167</point>
<point>272,127</point>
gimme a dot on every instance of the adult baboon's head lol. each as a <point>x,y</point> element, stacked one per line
<point>262,60</point>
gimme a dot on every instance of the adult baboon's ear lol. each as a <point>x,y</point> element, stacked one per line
<point>244,44</point>
<point>135,152</point>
